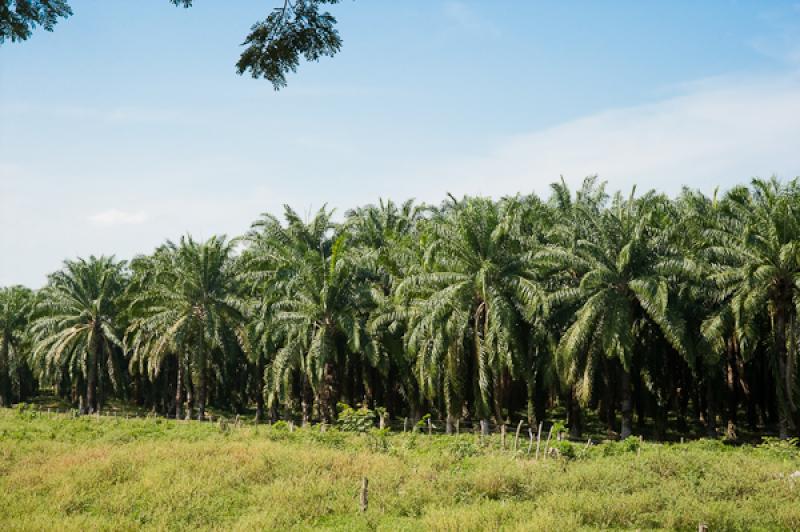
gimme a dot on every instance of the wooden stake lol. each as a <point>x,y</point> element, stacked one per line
<point>530,443</point>
<point>364,494</point>
<point>516,436</point>
<point>405,424</point>
<point>538,439</point>
<point>503,435</point>
<point>702,527</point>
<point>430,427</point>
<point>547,443</point>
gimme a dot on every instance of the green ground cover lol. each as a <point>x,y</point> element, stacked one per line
<point>57,472</point>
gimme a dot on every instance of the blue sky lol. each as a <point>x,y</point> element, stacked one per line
<point>128,124</point>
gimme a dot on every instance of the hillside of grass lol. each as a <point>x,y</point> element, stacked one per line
<point>59,472</point>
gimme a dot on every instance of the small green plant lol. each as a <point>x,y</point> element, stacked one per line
<point>422,423</point>
<point>777,447</point>
<point>631,444</point>
<point>280,425</point>
<point>355,419</point>
<point>461,449</point>
<point>563,449</point>
<point>379,440</point>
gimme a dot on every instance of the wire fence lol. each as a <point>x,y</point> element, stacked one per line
<point>520,430</point>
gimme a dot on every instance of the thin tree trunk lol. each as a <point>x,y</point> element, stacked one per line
<point>531,405</point>
<point>711,406</point>
<point>5,380</point>
<point>626,406</point>
<point>91,384</point>
<point>784,387</point>
<point>327,395</point>
<point>306,400</point>
<point>732,382</point>
<point>609,401</point>
<point>179,389</point>
<point>259,389</point>
<point>574,415</point>
<point>449,424</point>
<point>201,387</point>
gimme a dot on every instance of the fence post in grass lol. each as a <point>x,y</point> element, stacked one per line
<point>530,442</point>
<point>364,495</point>
<point>702,527</point>
<point>538,439</point>
<point>405,424</point>
<point>503,436</point>
<point>547,443</point>
<point>516,437</point>
<point>458,425</point>
<point>430,427</point>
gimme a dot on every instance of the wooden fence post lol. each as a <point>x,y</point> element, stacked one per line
<point>547,443</point>
<point>538,439</point>
<point>364,494</point>
<point>516,436</point>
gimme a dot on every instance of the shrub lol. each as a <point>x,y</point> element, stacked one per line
<point>355,419</point>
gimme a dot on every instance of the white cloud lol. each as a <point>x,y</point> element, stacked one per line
<point>119,217</point>
<point>719,133</point>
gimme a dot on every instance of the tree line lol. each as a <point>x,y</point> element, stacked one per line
<point>675,313</point>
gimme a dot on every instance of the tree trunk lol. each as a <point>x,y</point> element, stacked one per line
<point>732,385</point>
<point>179,389</point>
<point>201,387</point>
<point>91,380</point>
<point>5,380</point>
<point>327,397</point>
<point>574,415</point>
<point>785,376</point>
<point>711,406</point>
<point>626,406</point>
<point>306,400</point>
<point>609,401</point>
<point>259,389</point>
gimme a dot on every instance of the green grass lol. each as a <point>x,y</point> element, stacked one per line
<point>93,474</point>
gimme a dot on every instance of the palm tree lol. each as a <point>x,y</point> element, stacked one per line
<point>75,325</point>
<point>626,271</point>
<point>466,305</point>
<point>15,307</point>
<point>386,239</point>
<point>755,260</point>
<point>323,319</point>
<point>188,307</point>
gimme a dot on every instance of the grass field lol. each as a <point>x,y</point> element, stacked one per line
<point>88,474</point>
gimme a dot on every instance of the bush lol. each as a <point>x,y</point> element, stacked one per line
<point>564,449</point>
<point>355,419</point>
<point>777,447</point>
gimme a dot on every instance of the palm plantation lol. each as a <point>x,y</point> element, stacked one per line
<point>649,314</point>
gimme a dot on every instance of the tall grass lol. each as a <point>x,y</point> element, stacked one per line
<point>102,474</point>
